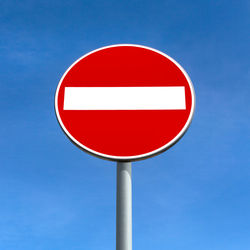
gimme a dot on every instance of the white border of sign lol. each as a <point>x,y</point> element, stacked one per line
<point>137,157</point>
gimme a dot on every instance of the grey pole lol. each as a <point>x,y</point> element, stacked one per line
<point>124,206</point>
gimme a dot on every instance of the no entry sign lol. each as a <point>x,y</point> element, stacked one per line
<point>125,102</point>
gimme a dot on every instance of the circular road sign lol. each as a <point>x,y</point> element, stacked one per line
<point>125,102</point>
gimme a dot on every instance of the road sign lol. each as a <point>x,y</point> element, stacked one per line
<point>125,102</point>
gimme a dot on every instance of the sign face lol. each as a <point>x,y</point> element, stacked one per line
<point>125,102</point>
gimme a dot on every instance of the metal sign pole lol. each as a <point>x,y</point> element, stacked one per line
<point>124,206</point>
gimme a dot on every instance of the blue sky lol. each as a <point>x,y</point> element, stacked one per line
<point>195,196</point>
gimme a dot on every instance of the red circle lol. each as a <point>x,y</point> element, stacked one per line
<point>125,134</point>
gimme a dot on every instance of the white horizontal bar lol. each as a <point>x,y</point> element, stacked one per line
<point>124,98</point>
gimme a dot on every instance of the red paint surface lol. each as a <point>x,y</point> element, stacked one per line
<point>124,133</point>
